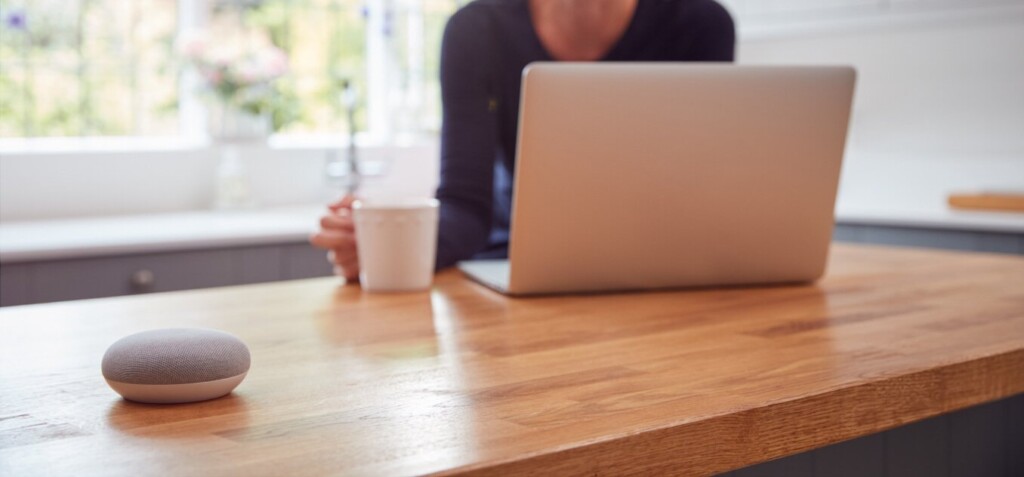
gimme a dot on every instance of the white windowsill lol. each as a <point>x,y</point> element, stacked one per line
<point>155,233</point>
<point>98,145</point>
<point>160,144</point>
<point>135,178</point>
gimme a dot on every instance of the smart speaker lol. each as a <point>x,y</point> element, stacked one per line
<point>176,365</point>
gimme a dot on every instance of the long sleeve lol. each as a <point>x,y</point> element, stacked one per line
<point>469,138</point>
<point>716,37</point>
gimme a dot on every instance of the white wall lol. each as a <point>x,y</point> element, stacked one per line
<point>947,88</point>
<point>939,105</point>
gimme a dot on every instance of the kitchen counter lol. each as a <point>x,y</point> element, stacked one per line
<point>465,381</point>
<point>119,235</point>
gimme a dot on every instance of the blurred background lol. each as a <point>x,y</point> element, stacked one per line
<point>158,126</point>
<point>940,80</point>
<point>94,68</point>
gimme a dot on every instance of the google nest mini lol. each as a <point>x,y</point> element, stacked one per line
<point>176,365</point>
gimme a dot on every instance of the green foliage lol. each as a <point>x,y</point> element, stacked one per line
<point>48,74</point>
<point>275,18</point>
<point>10,96</point>
<point>47,66</point>
<point>285,107</point>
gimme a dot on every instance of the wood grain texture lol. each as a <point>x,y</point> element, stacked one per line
<point>464,381</point>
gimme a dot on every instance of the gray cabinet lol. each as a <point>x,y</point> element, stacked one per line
<point>981,441</point>
<point>114,276</point>
<point>304,261</point>
<point>261,264</point>
<point>973,241</point>
<point>73,279</point>
<point>14,284</point>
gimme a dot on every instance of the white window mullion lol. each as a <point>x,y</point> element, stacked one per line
<point>378,70</point>
<point>193,16</point>
<point>415,66</point>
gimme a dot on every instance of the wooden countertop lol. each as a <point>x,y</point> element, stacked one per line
<point>462,380</point>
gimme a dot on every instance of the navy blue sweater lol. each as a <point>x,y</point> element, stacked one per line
<point>486,45</point>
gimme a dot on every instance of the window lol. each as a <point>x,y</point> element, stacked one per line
<point>113,67</point>
<point>87,68</point>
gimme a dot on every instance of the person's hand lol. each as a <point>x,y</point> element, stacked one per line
<point>338,236</point>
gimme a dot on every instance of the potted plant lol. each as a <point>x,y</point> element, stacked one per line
<point>247,103</point>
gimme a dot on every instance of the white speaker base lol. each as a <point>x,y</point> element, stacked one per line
<point>176,393</point>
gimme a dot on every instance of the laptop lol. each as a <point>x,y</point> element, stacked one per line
<point>638,176</point>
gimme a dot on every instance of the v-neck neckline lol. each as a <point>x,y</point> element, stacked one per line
<point>608,54</point>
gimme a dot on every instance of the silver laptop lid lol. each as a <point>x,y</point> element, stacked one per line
<point>636,176</point>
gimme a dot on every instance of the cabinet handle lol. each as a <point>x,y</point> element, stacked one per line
<point>142,280</point>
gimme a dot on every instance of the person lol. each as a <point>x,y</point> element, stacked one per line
<point>486,45</point>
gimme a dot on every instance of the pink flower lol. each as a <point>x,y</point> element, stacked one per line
<point>232,65</point>
<point>274,62</point>
<point>213,76</point>
<point>191,45</point>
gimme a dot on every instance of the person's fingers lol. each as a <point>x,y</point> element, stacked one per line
<point>333,239</point>
<point>350,267</point>
<point>342,203</point>
<point>338,236</point>
<point>351,272</point>
<point>350,276</point>
<point>342,256</point>
<point>345,264</point>
<point>337,222</point>
<point>345,255</point>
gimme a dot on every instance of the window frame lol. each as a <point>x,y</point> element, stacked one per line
<point>193,15</point>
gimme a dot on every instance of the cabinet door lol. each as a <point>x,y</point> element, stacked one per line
<point>113,276</point>
<point>259,264</point>
<point>305,261</point>
<point>983,241</point>
<point>14,284</point>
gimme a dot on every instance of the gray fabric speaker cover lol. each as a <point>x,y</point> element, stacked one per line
<point>175,356</point>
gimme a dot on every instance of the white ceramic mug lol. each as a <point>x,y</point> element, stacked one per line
<point>396,241</point>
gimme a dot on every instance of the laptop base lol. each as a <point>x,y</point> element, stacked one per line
<point>493,274</point>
